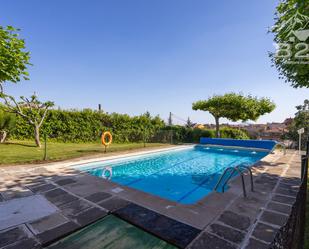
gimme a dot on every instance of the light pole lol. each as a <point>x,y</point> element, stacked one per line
<point>300,131</point>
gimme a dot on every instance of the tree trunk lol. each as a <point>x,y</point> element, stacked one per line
<point>3,135</point>
<point>217,127</point>
<point>37,136</point>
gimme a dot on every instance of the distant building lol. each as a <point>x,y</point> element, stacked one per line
<point>272,131</point>
<point>199,126</point>
<point>288,121</point>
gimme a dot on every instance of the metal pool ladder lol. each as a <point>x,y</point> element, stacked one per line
<point>283,147</point>
<point>232,170</point>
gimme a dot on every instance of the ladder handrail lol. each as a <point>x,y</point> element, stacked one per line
<point>234,169</point>
<point>283,146</point>
<point>251,175</point>
<point>242,180</point>
<point>223,174</point>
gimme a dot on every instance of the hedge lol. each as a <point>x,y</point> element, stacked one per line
<point>87,126</point>
<point>189,135</point>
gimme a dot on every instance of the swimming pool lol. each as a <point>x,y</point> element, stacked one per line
<point>182,175</point>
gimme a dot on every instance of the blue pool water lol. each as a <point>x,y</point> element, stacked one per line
<point>184,175</point>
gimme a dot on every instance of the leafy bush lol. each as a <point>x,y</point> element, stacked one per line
<point>192,135</point>
<point>227,132</point>
<point>87,125</point>
<point>7,123</point>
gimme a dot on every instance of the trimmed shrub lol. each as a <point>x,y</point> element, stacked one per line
<point>87,126</point>
<point>227,132</point>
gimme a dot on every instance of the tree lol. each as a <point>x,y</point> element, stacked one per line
<point>31,110</point>
<point>234,107</point>
<point>144,124</point>
<point>7,123</point>
<point>170,120</point>
<point>290,29</point>
<point>13,57</point>
<point>189,124</point>
<point>301,120</point>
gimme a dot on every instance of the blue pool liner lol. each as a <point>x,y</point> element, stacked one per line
<point>249,143</point>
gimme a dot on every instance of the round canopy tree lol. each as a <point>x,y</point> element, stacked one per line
<point>14,59</point>
<point>291,34</point>
<point>234,107</point>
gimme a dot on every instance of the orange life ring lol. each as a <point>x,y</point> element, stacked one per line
<point>103,138</point>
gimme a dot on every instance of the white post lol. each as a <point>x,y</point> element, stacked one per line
<point>300,131</point>
<point>299,144</point>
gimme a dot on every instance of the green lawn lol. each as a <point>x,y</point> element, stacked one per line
<point>15,152</point>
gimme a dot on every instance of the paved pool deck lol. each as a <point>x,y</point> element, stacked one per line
<point>65,200</point>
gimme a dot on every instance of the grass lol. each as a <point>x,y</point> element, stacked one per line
<point>18,152</point>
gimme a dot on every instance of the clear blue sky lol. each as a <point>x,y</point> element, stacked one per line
<point>157,55</point>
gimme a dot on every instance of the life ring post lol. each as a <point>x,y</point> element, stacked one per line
<point>106,139</point>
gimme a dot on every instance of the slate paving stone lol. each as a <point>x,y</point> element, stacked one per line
<point>227,233</point>
<point>294,187</point>
<point>267,179</point>
<point>43,188</point>
<point>47,223</point>
<point>291,181</point>
<point>264,232</point>
<point>59,197</point>
<point>89,216</point>
<point>209,241</point>
<point>35,183</point>
<point>16,192</point>
<point>97,197</point>
<point>25,244</point>
<point>264,186</point>
<point>113,204</point>
<point>56,192</point>
<point>23,210</point>
<point>11,236</point>
<point>283,199</point>
<point>72,208</point>
<point>53,234</point>
<point>232,219</point>
<point>255,244</point>
<point>65,181</point>
<point>282,208</point>
<point>285,191</point>
<point>165,228</point>
<point>274,218</point>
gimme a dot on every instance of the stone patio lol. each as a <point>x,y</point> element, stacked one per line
<point>220,220</point>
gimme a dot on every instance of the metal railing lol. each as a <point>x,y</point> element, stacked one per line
<point>232,171</point>
<point>292,234</point>
<point>283,147</point>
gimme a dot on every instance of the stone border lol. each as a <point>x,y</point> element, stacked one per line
<point>226,220</point>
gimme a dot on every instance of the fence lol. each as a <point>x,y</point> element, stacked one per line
<point>291,236</point>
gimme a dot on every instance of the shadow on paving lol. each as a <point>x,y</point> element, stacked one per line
<point>82,206</point>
